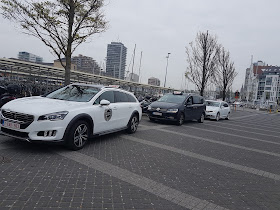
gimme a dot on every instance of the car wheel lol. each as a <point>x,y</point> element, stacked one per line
<point>181,119</point>
<point>151,119</point>
<point>78,135</point>
<point>228,115</point>
<point>218,116</point>
<point>202,118</point>
<point>133,124</point>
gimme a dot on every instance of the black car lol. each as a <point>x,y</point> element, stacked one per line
<point>178,107</point>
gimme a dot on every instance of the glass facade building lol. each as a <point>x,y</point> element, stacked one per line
<point>116,60</point>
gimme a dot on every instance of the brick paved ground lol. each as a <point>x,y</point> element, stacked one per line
<point>231,164</point>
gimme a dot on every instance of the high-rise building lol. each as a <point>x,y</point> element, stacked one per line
<point>116,60</point>
<point>86,64</point>
<point>26,56</point>
<point>154,81</point>
<point>133,77</point>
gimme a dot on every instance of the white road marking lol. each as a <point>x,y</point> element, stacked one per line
<point>206,158</point>
<point>222,126</point>
<point>235,135</point>
<point>156,188</point>
<point>236,118</point>
<point>253,127</point>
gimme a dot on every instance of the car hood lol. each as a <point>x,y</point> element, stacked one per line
<point>212,108</point>
<point>164,105</point>
<point>38,105</point>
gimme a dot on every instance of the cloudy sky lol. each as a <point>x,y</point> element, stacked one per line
<point>159,27</point>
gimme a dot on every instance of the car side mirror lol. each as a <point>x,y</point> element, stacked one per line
<point>104,102</point>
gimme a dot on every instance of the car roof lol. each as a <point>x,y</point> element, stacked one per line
<point>216,101</point>
<point>102,87</point>
<point>183,94</point>
<point>89,85</point>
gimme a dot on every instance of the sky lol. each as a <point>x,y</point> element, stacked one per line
<point>158,27</point>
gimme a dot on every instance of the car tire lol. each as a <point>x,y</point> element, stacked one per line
<point>78,135</point>
<point>217,116</point>
<point>202,118</point>
<point>132,124</point>
<point>181,119</point>
<point>151,119</point>
<point>228,115</point>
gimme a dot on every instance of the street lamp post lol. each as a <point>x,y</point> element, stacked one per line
<point>166,68</point>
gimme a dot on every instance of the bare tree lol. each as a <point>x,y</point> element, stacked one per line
<point>62,25</point>
<point>225,72</point>
<point>202,59</point>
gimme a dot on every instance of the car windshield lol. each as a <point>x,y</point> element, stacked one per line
<point>176,99</point>
<point>77,93</point>
<point>212,103</point>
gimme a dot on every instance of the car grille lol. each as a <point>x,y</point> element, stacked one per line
<point>24,118</point>
<point>14,133</point>
<point>159,110</point>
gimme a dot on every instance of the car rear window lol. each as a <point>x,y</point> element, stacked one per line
<point>212,103</point>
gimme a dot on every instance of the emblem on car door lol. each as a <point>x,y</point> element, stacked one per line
<point>107,114</point>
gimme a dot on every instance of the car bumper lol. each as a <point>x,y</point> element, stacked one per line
<point>210,115</point>
<point>163,116</point>
<point>50,131</point>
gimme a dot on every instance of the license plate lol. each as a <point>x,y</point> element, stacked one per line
<point>157,113</point>
<point>11,125</point>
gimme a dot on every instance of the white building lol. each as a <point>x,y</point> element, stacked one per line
<point>133,77</point>
<point>26,56</point>
<point>154,81</point>
<point>269,85</point>
<point>251,80</point>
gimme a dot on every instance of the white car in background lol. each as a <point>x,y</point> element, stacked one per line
<point>71,114</point>
<point>217,110</point>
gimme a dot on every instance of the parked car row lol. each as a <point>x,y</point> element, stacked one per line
<point>180,107</point>
<point>75,113</point>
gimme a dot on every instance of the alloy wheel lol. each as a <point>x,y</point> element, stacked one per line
<point>134,124</point>
<point>218,116</point>
<point>80,135</point>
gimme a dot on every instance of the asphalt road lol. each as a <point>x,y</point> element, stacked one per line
<point>230,164</point>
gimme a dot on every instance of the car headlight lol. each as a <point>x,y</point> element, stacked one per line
<point>172,110</point>
<point>53,116</point>
<point>149,107</point>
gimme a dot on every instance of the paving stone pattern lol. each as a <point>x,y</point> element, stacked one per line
<point>161,166</point>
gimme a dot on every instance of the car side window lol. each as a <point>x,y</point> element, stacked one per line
<point>189,101</point>
<point>130,98</point>
<point>202,100</point>
<point>225,105</point>
<point>108,95</point>
<point>120,97</point>
<point>198,100</point>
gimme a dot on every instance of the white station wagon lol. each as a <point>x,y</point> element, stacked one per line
<point>71,114</point>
